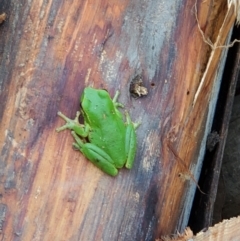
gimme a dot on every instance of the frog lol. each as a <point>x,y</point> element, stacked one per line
<point>105,138</point>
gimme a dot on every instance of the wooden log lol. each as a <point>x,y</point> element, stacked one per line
<point>225,230</point>
<point>49,52</point>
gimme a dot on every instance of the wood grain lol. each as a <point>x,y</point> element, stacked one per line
<point>51,50</point>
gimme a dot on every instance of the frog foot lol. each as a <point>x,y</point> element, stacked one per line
<point>129,121</point>
<point>70,124</point>
<point>79,129</point>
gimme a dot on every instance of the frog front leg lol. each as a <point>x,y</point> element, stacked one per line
<point>81,130</point>
<point>96,155</point>
<point>114,100</point>
<point>130,141</point>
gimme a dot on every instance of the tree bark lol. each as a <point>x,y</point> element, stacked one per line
<point>51,50</point>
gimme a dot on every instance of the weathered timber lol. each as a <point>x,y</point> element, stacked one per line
<point>49,51</point>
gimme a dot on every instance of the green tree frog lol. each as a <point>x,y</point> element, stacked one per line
<point>105,138</point>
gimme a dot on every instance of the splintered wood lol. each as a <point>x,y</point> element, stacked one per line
<point>232,15</point>
<point>226,230</point>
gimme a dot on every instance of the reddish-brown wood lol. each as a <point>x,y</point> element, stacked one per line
<point>50,51</point>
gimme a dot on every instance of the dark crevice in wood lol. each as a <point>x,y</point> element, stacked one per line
<point>202,209</point>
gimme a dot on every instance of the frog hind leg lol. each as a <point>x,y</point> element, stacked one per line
<point>130,145</point>
<point>96,155</point>
<point>130,141</point>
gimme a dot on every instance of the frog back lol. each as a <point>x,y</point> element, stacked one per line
<point>107,127</point>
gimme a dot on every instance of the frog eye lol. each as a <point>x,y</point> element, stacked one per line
<point>103,93</point>
<point>105,90</point>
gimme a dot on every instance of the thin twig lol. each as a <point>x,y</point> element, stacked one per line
<point>182,162</point>
<point>208,41</point>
